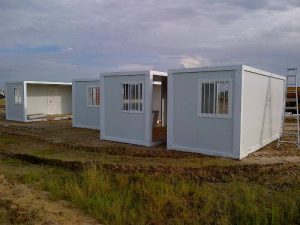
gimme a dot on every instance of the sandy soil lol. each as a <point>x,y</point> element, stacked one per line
<point>20,204</point>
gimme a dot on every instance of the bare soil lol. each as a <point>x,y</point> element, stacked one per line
<point>20,204</point>
<point>57,143</point>
<point>62,134</point>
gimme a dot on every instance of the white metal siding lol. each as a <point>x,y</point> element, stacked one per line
<point>14,111</point>
<point>260,119</point>
<point>84,116</point>
<point>191,132</point>
<point>122,126</point>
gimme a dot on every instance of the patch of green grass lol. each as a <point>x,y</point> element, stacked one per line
<point>137,199</point>
<point>7,140</point>
<point>142,199</point>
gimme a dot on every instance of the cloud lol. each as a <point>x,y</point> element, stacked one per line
<point>188,61</point>
<point>83,38</point>
<point>135,67</point>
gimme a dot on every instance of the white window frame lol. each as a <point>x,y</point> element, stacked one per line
<point>18,100</point>
<point>141,100</point>
<point>88,97</point>
<point>199,100</point>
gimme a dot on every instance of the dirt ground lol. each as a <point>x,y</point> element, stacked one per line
<point>20,204</point>
<point>63,134</point>
<point>58,140</point>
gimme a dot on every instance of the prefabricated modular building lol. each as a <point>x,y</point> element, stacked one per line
<point>30,100</point>
<point>134,107</point>
<point>224,111</point>
<point>86,103</point>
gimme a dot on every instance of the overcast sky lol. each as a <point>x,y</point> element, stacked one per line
<point>59,40</point>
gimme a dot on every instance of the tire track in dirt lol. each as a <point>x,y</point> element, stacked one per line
<point>110,150</point>
<point>248,173</point>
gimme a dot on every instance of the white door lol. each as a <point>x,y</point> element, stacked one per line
<point>53,101</point>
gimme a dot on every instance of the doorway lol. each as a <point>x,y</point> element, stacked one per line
<point>159,108</point>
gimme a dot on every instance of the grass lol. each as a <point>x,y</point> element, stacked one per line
<point>43,149</point>
<point>140,199</point>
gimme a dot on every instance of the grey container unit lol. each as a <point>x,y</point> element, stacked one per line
<point>86,111</point>
<point>29,98</point>
<point>226,111</point>
<point>134,107</point>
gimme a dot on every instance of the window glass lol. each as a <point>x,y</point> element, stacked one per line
<point>93,96</point>
<point>214,97</point>
<point>132,97</point>
<point>18,95</point>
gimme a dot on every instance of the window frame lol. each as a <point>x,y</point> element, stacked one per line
<point>87,96</point>
<point>142,99</point>
<point>199,99</point>
<point>20,97</point>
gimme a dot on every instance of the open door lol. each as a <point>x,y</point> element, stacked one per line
<point>159,108</point>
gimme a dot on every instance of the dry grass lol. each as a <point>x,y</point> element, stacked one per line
<point>139,199</point>
<point>268,197</point>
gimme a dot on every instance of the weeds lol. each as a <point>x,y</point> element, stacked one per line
<point>144,199</point>
<point>137,199</point>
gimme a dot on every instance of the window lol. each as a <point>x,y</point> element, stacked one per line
<point>18,95</point>
<point>132,97</point>
<point>214,98</point>
<point>93,96</point>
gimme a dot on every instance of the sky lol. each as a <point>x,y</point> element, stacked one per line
<point>59,40</point>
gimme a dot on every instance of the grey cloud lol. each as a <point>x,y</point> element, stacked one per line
<point>110,35</point>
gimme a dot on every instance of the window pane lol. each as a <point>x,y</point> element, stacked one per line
<point>132,95</point>
<point>18,95</point>
<point>223,91</point>
<point>98,96</point>
<point>214,97</point>
<point>211,97</point>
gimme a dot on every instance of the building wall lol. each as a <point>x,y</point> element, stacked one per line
<point>14,111</point>
<point>261,110</point>
<point>121,126</point>
<point>37,99</point>
<point>40,95</point>
<point>189,132</point>
<point>83,115</point>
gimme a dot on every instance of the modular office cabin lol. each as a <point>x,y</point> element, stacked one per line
<point>86,103</point>
<point>134,107</point>
<point>225,111</point>
<point>32,100</point>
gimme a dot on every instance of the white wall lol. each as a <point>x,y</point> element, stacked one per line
<point>117,125</point>
<point>188,131</point>
<point>14,111</point>
<point>38,96</point>
<point>261,110</point>
<point>37,99</point>
<point>83,115</point>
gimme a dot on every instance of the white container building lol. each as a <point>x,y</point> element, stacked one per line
<point>86,103</point>
<point>226,111</point>
<point>32,100</point>
<point>134,107</point>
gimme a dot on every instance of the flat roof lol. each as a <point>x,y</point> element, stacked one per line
<point>134,73</point>
<point>39,82</point>
<point>85,79</point>
<point>226,68</point>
